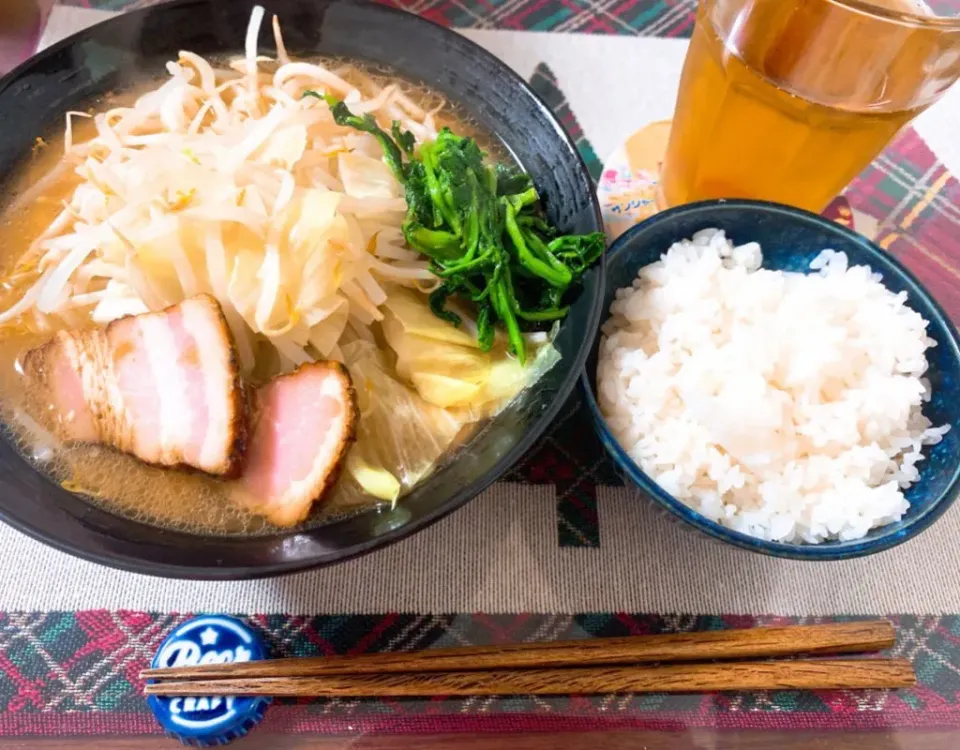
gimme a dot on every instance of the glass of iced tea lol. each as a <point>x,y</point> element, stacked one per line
<point>788,100</point>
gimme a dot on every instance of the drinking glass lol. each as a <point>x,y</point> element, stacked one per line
<point>788,100</point>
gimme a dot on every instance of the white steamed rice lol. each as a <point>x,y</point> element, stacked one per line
<point>782,405</point>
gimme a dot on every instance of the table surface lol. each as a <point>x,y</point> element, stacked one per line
<point>69,653</point>
<point>614,739</point>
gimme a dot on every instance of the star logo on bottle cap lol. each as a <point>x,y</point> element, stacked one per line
<point>208,637</point>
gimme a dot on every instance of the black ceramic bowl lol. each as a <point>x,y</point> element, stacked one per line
<point>117,54</point>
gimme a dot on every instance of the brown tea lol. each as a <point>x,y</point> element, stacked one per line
<point>788,100</point>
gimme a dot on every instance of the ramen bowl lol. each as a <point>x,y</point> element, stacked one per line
<point>117,54</point>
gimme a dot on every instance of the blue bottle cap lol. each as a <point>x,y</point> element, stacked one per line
<point>216,720</point>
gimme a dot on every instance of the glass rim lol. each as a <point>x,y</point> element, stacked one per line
<point>943,23</point>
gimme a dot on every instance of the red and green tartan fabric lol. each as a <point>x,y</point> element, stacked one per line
<point>668,18</point>
<point>75,673</point>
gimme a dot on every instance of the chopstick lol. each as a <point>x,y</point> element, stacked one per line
<point>672,678</point>
<point>748,643</point>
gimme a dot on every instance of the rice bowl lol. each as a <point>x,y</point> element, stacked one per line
<point>783,405</point>
<point>791,239</point>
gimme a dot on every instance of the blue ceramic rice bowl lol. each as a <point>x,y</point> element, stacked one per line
<point>790,239</point>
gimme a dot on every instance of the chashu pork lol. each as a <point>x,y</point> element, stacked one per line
<point>303,426</point>
<point>162,386</point>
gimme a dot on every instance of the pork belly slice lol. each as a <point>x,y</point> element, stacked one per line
<point>162,386</point>
<point>303,426</point>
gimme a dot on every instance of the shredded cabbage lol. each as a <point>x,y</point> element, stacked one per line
<point>448,369</point>
<point>399,434</point>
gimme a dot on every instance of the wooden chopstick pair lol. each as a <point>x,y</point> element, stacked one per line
<point>603,665</point>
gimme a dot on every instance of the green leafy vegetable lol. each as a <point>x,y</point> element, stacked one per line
<point>404,138</point>
<point>438,299</point>
<point>483,229</point>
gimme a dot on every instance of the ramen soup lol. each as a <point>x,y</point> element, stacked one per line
<point>221,231</point>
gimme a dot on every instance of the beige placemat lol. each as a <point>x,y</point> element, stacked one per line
<point>500,554</point>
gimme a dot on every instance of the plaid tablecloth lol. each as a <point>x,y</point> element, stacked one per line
<point>560,548</point>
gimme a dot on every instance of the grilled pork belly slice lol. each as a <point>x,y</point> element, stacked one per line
<point>303,426</point>
<point>162,386</point>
